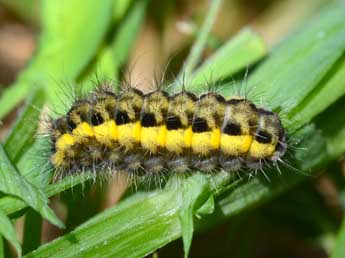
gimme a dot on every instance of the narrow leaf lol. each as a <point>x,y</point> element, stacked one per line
<point>11,182</point>
<point>11,205</point>
<point>207,208</point>
<point>187,229</point>
<point>200,42</point>
<point>114,55</point>
<point>7,231</point>
<point>23,133</point>
<point>242,50</point>
<point>327,92</point>
<point>60,54</point>
<point>127,235</point>
<point>298,64</point>
<point>190,198</point>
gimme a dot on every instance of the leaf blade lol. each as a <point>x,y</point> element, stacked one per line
<point>7,231</point>
<point>242,50</point>
<point>22,133</point>
<point>15,184</point>
<point>303,59</point>
<point>200,43</point>
<point>59,54</point>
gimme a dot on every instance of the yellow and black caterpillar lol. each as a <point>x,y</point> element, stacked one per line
<point>156,132</point>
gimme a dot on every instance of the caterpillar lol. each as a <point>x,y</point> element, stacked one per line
<point>157,132</point>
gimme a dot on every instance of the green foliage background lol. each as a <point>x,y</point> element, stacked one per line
<point>303,77</point>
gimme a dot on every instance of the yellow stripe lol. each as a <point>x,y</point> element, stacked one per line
<point>261,150</point>
<point>83,132</point>
<point>136,131</point>
<point>153,137</point>
<point>178,140</point>
<point>175,140</point>
<point>162,135</point>
<point>58,158</point>
<point>203,143</point>
<point>64,141</point>
<point>235,145</point>
<point>106,133</point>
<point>188,135</point>
<point>215,138</point>
<point>129,134</point>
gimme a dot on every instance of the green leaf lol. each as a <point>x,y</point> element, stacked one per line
<point>60,54</point>
<point>298,64</point>
<point>126,235</point>
<point>241,51</point>
<point>119,9</point>
<point>11,182</point>
<point>306,64</point>
<point>207,208</point>
<point>200,43</point>
<point>325,93</point>
<point>123,41</point>
<point>339,250</point>
<point>23,132</point>
<point>7,231</point>
<point>119,232</point>
<point>114,55</point>
<point>190,197</point>
<point>187,229</point>
<point>11,205</point>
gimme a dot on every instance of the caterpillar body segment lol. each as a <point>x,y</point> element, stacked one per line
<point>156,132</point>
<point>127,118</point>
<point>206,129</point>
<point>269,139</point>
<point>237,132</point>
<point>179,131</point>
<point>102,119</point>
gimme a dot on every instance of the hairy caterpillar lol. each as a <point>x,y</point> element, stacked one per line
<point>155,132</point>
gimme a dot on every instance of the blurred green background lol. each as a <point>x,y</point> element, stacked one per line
<point>145,39</point>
